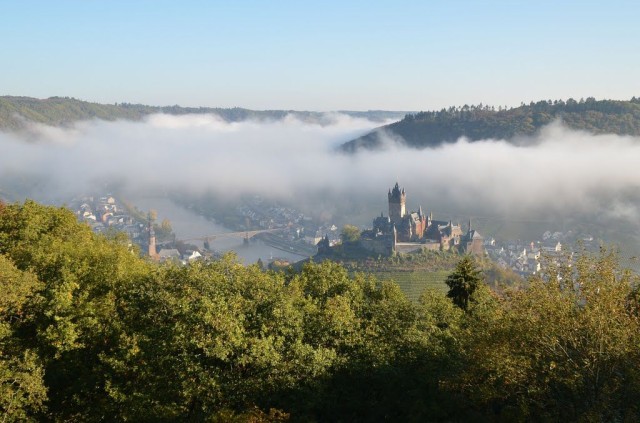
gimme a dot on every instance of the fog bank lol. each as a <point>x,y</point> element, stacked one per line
<point>562,171</point>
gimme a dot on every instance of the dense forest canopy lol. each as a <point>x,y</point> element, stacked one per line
<point>90,332</point>
<point>430,129</point>
<point>15,112</point>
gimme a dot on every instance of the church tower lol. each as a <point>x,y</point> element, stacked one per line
<point>397,202</point>
<point>152,239</point>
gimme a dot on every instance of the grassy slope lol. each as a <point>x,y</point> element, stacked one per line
<point>414,273</point>
<point>414,282</point>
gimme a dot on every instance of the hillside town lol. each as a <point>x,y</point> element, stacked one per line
<point>106,214</point>
<point>287,229</point>
<point>529,258</point>
<point>282,228</point>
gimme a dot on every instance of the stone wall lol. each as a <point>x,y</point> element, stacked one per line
<point>380,245</point>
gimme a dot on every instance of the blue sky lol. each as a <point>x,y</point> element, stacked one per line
<point>329,55</point>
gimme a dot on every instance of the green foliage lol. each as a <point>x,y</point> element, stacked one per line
<point>350,234</point>
<point>413,272</point>
<point>561,349</point>
<point>463,282</point>
<point>499,278</point>
<point>430,129</point>
<point>113,336</point>
<point>414,283</point>
<point>164,231</point>
<point>78,277</point>
<point>22,389</point>
<point>211,336</point>
<point>89,331</point>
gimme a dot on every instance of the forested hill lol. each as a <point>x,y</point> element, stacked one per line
<point>430,129</point>
<point>15,112</point>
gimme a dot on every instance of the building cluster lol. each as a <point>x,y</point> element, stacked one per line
<point>174,255</point>
<point>529,258</point>
<point>106,213</point>
<point>403,231</point>
<point>329,231</point>
<point>270,217</point>
<point>522,259</point>
<point>296,227</point>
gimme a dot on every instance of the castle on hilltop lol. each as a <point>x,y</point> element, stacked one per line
<point>403,231</point>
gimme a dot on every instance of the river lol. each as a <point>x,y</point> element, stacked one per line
<point>187,224</point>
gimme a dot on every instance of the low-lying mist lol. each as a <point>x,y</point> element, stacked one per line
<point>561,173</point>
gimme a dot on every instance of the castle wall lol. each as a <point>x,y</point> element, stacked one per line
<point>380,245</point>
<point>431,246</point>
<point>409,247</point>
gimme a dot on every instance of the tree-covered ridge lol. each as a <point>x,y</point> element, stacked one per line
<point>430,129</point>
<point>91,332</point>
<point>15,112</point>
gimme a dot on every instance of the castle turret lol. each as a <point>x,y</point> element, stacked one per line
<point>397,204</point>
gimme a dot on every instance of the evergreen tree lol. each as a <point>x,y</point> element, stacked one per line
<point>463,282</point>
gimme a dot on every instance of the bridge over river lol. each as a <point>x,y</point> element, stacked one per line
<point>193,228</point>
<point>246,235</point>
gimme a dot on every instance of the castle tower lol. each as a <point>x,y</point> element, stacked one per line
<point>397,202</point>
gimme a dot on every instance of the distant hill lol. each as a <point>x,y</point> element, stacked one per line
<point>430,129</point>
<point>15,112</point>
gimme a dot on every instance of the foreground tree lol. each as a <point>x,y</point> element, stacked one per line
<point>22,388</point>
<point>565,348</point>
<point>463,282</point>
<point>89,331</point>
<point>78,279</point>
